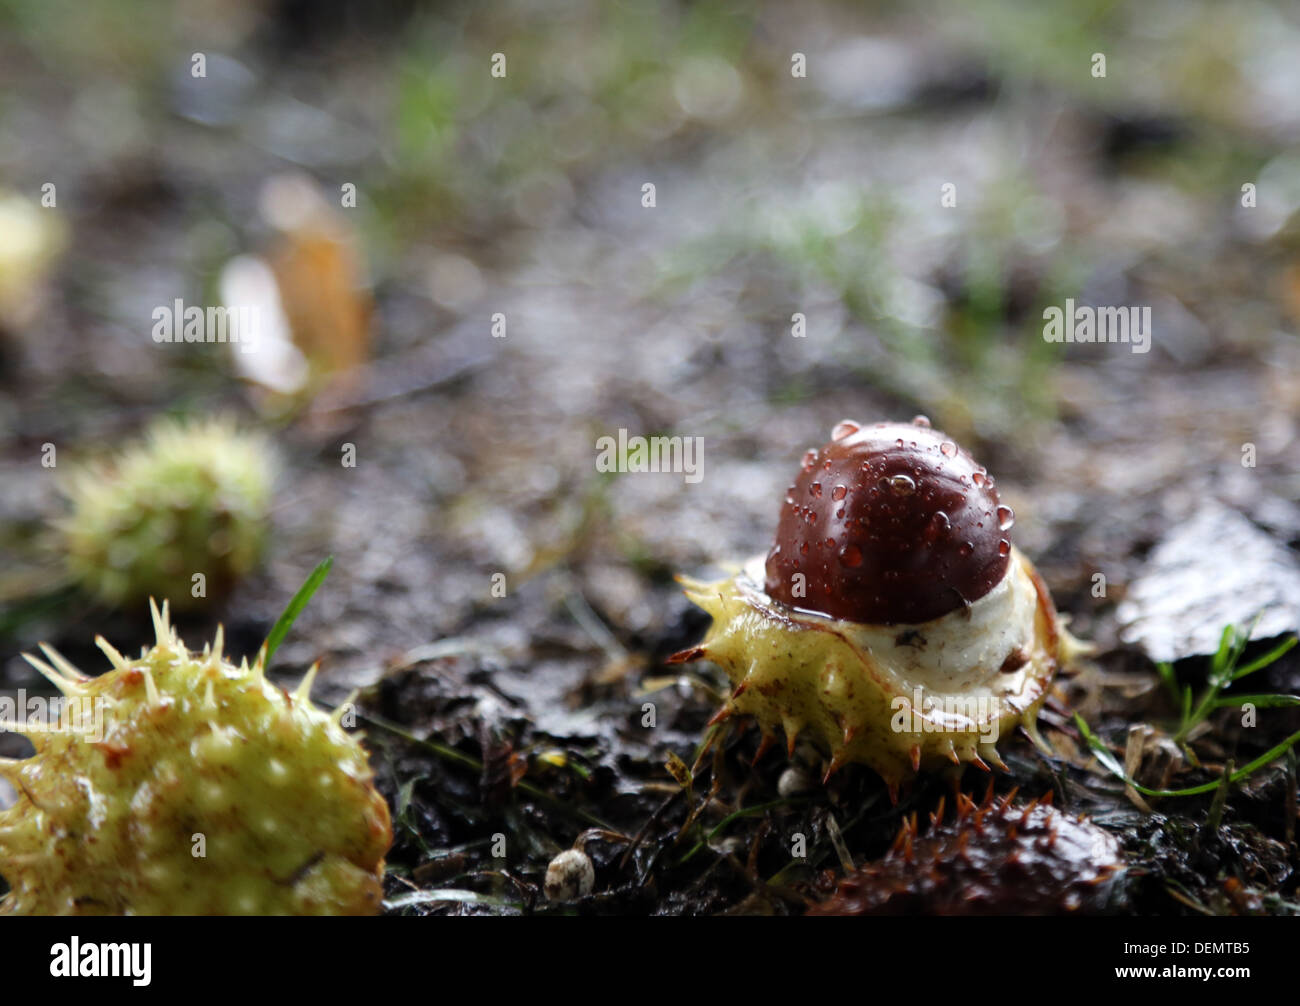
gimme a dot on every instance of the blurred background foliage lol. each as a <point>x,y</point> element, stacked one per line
<point>826,181</point>
<point>775,195</point>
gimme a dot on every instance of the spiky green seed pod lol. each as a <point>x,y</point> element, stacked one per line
<point>897,698</point>
<point>892,621</point>
<point>193,498</point>
<point>181,784</point>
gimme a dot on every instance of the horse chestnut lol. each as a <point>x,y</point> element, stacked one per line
<point>890,524</point>
<point>175,746</point>
<point>892,620</point>
<point>991,858</point>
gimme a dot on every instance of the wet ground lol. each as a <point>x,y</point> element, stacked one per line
<point>522,715</point>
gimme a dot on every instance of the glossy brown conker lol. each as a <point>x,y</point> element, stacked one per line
<point>889,524</point>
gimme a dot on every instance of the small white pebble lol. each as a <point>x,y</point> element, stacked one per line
<point>570,876</point>
<point>794,780</point>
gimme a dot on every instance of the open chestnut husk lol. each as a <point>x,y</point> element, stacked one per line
<point>892,621</point>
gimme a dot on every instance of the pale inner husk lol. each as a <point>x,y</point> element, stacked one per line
<point>956,656</point>
<point>896,697</point>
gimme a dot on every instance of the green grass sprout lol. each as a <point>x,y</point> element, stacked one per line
<point>294,608</point>
<point>1225,669</point>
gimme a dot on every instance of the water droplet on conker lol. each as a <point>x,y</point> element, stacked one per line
<point>937,526</point>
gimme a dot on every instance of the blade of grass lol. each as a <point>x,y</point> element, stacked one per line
<point>1105,756</point>
<point>1240,641</point>
<point>1269,701</point>
<point>1268,658</point>
<point>1099,749</point>
<point>1166,670</point>
<point>1220,659</point>
<point>294,608</point>
<point>1224,673</point>
<point>734,816</point>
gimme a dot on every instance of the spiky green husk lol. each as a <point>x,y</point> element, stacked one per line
<point>195,756</point>
<point>848,687</point>
<point>192,498</point>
